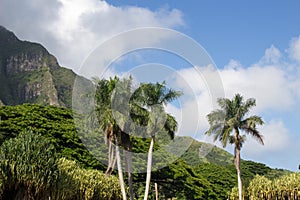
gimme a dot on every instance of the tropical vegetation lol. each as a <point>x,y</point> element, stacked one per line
<point>190,177</point>
<point>30,169</point>
<point>285,187</point>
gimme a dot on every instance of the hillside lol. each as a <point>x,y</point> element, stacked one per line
<point>30,74</point>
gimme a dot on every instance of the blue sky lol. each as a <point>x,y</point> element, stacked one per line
<point>239,30</point>
<point>254,44</point>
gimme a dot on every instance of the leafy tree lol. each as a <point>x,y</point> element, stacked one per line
<point>227,122</point>
<point>153,97</point>
<point>220,178</point>
<point>54,123</point>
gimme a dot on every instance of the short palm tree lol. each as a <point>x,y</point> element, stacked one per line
<point>227,122</point>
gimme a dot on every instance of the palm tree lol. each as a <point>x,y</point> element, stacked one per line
<point>227,122</point>
<point>114,111</point>
<point>112,132</point>
<point>153,97</point>
<point>121,108</point>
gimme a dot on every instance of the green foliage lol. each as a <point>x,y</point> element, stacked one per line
<point>199,152</point>
<point>201,178</point>
<point>177,180</point>
<point>220,178</point>
<point>76,183</point>
<point>64,80</point>
<point>52,122</point>
<point>231,118</point>
<point>233,194</point>
<point>260,187</point>
<point>28,167</point>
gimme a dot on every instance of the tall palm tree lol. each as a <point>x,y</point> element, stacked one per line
<point>153,97</point>
<point>112,132</point>
<point>227,122</point>
<point>121,108</point>
<point>114,110</point>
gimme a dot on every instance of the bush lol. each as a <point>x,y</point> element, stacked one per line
<point>28,165</point>
<point>31,170</point>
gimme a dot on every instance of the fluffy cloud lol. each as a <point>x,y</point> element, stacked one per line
<point>276,138</point>
<point>280,146</point>
<point>272,55</point>
<point>294,49</point>
<point>269,85</point>
<point>72,29</point>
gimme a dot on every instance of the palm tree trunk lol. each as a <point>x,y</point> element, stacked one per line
<point>128,165</point>
<point>110,159</point>
<point>240,187</point>
<point>128,159</point>
<point>120,173</point>
<point>149,166</point>
<point>156,191</point>
<point>237,159</point>
<point>130,181</point>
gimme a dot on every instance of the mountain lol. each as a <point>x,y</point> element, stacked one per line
<point>30,74</point>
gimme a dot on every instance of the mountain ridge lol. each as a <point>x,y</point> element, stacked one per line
<point>30,74</point>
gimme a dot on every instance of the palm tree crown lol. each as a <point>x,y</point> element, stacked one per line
<point>231,117</point>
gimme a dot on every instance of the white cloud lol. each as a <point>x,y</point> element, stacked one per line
<point>72,29</point>
<point>294,49</point>
<point>272,55</point>
<point>269,85</point>
<point>276,138</point>
<point>280,147</point>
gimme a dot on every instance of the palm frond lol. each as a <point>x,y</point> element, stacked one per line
<point>171,126</point>
<point>231,116</point>
<point>255,133</point>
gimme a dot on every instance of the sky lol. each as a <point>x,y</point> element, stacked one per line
<point>251,48</point>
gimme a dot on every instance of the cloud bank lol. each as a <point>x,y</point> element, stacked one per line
<point>71,29</point>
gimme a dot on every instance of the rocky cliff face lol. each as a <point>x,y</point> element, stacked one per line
<point>29,74</point>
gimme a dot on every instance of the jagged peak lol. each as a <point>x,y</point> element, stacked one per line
<point>7,36</point>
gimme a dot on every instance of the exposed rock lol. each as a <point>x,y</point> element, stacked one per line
<point>23,62</point>
<point>30,74</point>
